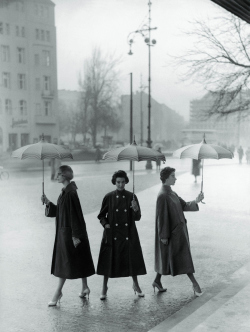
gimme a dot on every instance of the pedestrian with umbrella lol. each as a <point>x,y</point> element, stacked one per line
<point>71,255</point>
<point>172,247</point>
<point>120,253</point>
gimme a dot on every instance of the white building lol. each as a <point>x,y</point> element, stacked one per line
<point>28,73</point>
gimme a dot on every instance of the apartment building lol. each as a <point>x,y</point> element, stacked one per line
<point>28,73</point>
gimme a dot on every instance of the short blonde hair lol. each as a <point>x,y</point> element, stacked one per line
<point>67,172</point>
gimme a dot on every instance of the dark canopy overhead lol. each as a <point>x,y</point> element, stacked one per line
<point>240,8</point>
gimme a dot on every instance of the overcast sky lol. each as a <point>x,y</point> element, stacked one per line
<point>85,24</point>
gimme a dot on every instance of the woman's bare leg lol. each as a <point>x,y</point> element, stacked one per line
<point>105,285</point>
<point>58,291</point>
<point>84,284</point>
<point>194,282</point>
<point>136,284</point>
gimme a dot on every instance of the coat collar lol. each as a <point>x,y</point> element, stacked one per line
<point>70,187</point>
<point>166,189</point>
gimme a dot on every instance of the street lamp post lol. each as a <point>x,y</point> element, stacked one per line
<point>146,32</point>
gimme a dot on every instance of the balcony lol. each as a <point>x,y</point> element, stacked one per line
<point>42,119</point>
<point>48,94</point>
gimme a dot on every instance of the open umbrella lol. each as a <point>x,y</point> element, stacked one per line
<point>203,151</point>
<point>42,150</point>
<point>133,152</point>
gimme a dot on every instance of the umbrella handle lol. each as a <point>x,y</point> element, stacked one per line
<point>202,163</point>
<point>43,181</point>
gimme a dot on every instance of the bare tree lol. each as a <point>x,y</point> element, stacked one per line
<point>220,61</point>
<point>99,91</point>
<point>69,120</point>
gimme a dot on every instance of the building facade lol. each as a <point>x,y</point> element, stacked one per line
<point>166,124</point>
<point>228,130</point>
<point>28,73</point>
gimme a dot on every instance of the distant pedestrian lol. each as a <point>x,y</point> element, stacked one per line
<point>71,255</point>
<point>248,155</point>
<point>98,154</point>
<point>120,253</point>
<point>172,248</point>
<point>240,154</point>
<point>158,162</point>
<point>196,165</point>
<point>52,169</point>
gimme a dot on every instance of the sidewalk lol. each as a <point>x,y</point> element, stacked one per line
<point>219,237</point>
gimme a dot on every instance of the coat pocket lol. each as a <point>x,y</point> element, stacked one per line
<point>177,229</point>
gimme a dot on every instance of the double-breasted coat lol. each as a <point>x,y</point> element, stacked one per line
<point>120,252</point>
<point>68,261</point>
<point>174,258</point>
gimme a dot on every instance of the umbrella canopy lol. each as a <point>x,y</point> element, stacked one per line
<point>133,152</point>
<point>42,150</point>
<point>203,151</point>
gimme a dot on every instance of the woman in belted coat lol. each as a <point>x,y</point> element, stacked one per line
<point>172,248</point>
<point>120,252</point>
<point>71,255</point>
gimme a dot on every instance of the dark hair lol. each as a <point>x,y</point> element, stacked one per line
<point>120,174</point>
<point>67,172</point>
<point>165,172</point>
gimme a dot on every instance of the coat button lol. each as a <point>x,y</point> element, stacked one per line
<point>126,238</point>
<point>117,196</point>
<point>114,238</point>
<point>125,210</point>
<point>126,224</point>
<point>123,196</point>
<point>116,210</point>
<point>116,224</point>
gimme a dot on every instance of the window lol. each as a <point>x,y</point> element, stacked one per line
<point>46,58</point>
<point>42,35</point>
<point>17,30</point>
<point>0,106</point>
<point>36,10</point>
<point>24,139</point>
<point>20,55</point>
<point>5,50</point>
<point>23,107</point>
<point>37,34</point>
<point>23,31</point>
<point>21,81</point>
<point>48,36</point>
<point>38,109</point>
<point>37,61</point>
<point>41,11</point>
<point>6,80</point>
<point>47,108</point>
<point>1,28</point>
<point>38,87</point>
<point>46,83</point>
<point>7,28</point>
<point>8,106</point>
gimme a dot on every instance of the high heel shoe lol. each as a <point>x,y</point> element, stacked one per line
<point>104,296</point>
<point>85,293</point>
<point>196,293</point>
<point>53,303</point>
<point>160,289</point>
<point>140,294</point>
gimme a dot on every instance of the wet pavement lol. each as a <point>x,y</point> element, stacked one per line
<point>219,236</point>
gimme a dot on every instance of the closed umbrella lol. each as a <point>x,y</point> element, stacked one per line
<point>133,152</point>
<point>42,150</point>
<point>203,151</point>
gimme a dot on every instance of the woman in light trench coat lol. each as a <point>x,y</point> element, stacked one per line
<point>172,248</point>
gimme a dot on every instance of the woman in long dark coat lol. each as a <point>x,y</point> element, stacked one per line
<point>71,255</point>
<point>120,252</point>
<point>172,248</point>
